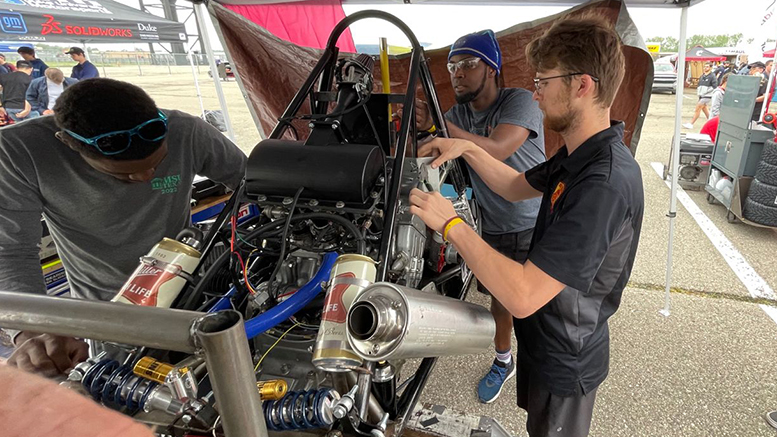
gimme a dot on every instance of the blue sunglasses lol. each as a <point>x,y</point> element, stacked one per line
<point>113,143</point>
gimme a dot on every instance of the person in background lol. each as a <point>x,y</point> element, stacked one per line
<point>711,127</point>
<point>84,69</point>
<point>759,69</point>
<point>38,67</point>
<point>717,96</point>
<point>14,103</point>
<point>6,67</point>
<point>722,70</point>
<point>43,92</point>
<point>707,84</point>
<point>507,124</point>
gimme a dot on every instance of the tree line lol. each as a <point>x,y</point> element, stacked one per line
<point>670,43</point>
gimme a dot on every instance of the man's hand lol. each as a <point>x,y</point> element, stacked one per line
<point>23,113</point>
<point>48,112</point>
<point>2,111</point>
<point>432,208</point>
<point>49,355</point>
<point>423,121</point>
<point>445,149</point>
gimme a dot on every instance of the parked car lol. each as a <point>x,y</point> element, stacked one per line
<point>664,77</point>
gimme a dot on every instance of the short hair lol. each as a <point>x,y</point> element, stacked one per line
<point>708,63</point>
<point>26,50</point>
<point>587,45</point>
<point>100,105</point>
<point>55,75</point>
<point>757,64</point>
<point>769,62</point>
<point>23,65</point>
<point>2,56</point>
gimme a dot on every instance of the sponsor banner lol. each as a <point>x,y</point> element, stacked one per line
<point>52,27</point>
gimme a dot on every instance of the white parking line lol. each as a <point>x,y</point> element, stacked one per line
<point>755,284</point>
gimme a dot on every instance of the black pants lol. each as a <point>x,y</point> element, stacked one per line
<point>550,415</point>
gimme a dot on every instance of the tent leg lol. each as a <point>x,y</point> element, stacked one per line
<point>673,165</point>
<point>197,84</point>
<point>200,13</point>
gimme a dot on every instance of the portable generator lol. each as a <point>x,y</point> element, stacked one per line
<point>695,158</point>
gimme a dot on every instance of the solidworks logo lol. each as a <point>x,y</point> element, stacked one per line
<point>98,31</point>
<point>50,26</point>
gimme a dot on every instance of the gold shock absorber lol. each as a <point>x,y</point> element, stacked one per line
<point>152,369</point>
<point>384,70</point>
<point>272,390</point>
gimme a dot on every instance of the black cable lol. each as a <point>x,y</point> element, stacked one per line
<point>284,241</point>
<point>197,293</point>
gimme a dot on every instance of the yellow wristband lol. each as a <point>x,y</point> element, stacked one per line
<point>450,226</point>
<point>432,129</point>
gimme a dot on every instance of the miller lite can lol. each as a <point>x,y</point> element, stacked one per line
<point>350,275</point>
<point>161,275</point>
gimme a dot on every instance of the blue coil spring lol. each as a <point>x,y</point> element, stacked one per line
<point>299,410</point>
<point>106,380</point>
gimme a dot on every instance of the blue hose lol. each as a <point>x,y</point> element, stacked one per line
<point>296,302</point>
<point>225,302</point>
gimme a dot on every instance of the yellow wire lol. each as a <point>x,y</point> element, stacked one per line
<point>245,272</point>
<point>274,344</point>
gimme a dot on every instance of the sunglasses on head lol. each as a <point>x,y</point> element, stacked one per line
<point>113,143</point>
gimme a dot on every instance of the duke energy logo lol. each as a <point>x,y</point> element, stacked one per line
<point>12,22</point>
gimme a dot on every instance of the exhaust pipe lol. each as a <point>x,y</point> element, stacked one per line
<point>389,321</point>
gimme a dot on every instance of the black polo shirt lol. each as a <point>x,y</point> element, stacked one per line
<point>586,237</point>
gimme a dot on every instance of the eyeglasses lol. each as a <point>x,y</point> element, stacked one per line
<point>539,80</point>
<point>113,143</point>
<point>464,64</point>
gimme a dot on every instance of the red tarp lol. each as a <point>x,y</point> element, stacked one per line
<point>305,24</point>
<point>769,53</point>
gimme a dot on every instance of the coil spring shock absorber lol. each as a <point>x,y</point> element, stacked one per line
<point>300,410</point>
<point>116,386</point>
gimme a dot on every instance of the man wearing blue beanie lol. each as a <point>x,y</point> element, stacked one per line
<point>507,123</point>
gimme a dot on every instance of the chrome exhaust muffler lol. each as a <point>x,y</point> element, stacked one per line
<point>389,321</point>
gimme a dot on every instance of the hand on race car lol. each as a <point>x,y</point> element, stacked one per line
<point>423,121</point>
<point>445,149</point>
<point>432,208</point>
<point>49,355</point>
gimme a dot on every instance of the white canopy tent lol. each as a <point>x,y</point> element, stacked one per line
<point>201,11</point>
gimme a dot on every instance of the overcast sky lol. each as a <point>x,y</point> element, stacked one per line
<point>441,25</point>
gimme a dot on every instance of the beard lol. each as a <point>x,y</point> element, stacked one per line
<point>565,121</point>
<point>463,99</point>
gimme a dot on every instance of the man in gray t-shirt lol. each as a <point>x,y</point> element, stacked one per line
<point>507,123</point>
<point>106,201</point>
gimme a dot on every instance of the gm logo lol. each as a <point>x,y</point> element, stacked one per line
<point>12,22</point>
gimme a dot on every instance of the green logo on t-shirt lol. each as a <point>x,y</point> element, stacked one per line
<point>167,184</point>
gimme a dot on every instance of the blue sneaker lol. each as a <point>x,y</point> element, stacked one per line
<point>491,385</point>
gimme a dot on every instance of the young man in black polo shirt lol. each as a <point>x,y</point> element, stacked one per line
<point>586,234</point>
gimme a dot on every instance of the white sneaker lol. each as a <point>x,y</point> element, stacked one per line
<point>688,125</point>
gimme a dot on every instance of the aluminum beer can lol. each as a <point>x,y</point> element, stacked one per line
<point>350,275</point>
<point>160,277</point>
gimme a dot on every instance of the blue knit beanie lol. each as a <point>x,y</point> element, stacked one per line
<point>481,44</point>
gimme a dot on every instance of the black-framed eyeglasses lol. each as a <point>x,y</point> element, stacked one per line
<point>539,80</point>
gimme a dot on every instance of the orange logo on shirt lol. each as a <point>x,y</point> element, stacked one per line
<point>556,194</point>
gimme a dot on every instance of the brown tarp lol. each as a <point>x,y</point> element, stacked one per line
<point>272,70</point>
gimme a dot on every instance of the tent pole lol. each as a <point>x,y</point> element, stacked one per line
<point>197,84</point>
<point>200,13</point>
<point>673,164</point>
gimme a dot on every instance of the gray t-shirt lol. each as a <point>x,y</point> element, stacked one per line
<point>101,225</point>
<point>517,107</point>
